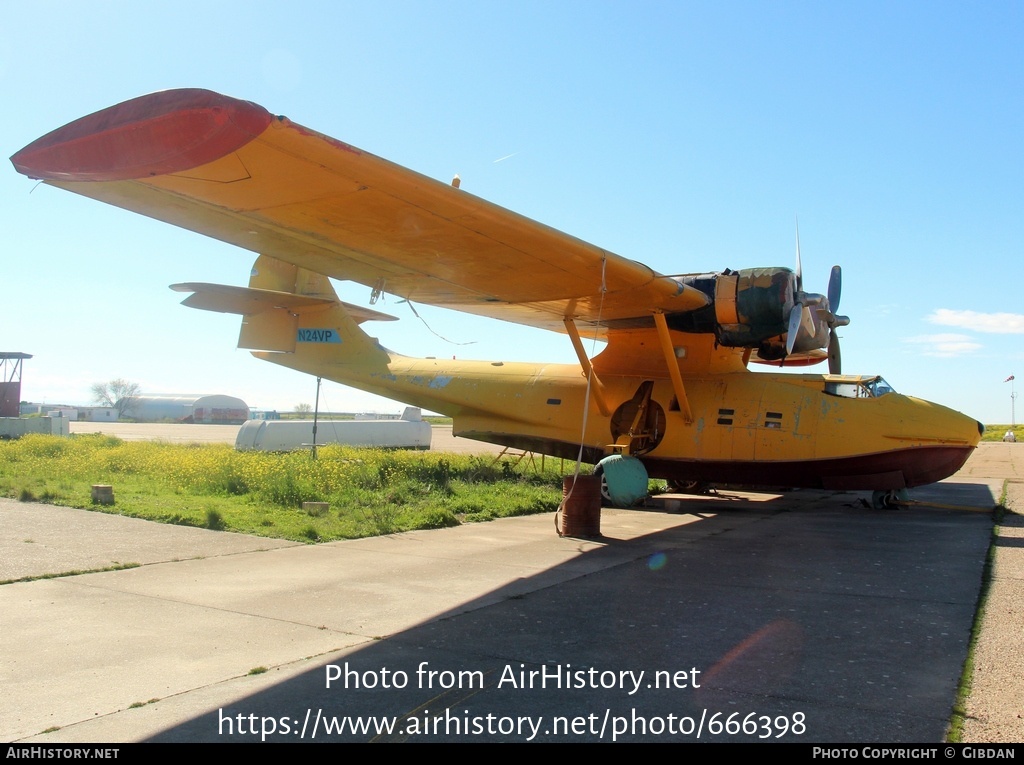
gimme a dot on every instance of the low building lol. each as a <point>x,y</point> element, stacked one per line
<point>189,407</point>
<point>263,414</point>
<point>97,414</point>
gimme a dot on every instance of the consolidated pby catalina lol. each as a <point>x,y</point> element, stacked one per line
<point>671,387</point>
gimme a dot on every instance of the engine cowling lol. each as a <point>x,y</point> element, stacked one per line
<point>758,308</point>
<point>749,307</point>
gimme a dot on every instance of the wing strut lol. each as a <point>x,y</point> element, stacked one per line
<point>581,354</point>
<point>673,366</point>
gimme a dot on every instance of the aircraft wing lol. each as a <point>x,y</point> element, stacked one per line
<point>233,171</point>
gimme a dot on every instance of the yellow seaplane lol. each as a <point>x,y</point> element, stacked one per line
<point>671,387</point>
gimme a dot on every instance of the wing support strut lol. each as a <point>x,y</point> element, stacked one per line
<point>673,366</point>
<point>597,386</point>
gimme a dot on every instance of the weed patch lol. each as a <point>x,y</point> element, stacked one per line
<point>370,491</point>
<point>954,734</point>
<point>73,572</point>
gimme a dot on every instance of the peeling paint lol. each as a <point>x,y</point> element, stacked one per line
<point>441,381</point>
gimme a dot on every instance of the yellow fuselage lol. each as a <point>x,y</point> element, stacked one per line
<point>748,428</point>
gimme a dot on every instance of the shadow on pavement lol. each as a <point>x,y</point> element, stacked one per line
<point>817,621</point>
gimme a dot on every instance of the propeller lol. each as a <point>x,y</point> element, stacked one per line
<point>835,286</point>
<point>811,309</point>
<point>833,320</point>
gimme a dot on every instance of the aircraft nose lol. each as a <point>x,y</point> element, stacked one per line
<point>968,428</point>
<point>950,437</point>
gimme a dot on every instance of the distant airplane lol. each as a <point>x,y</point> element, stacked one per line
<point>671,388</point>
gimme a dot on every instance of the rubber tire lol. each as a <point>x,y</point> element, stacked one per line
<point>606,499</point>
<point>884,500</point>
<point>688,487</point>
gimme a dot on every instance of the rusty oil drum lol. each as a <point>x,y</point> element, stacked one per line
<point>580,514</point>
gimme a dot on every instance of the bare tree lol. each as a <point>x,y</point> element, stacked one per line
<point>303,408</point>
<point>119,394</point>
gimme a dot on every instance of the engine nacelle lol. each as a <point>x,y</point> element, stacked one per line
<point>750,308</point>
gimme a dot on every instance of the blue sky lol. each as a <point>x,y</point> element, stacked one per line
<point>684,135</point>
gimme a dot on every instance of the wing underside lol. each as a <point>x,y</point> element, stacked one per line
<point>230,170</point>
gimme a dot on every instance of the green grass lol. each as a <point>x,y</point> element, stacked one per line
<point>954,734</point>
<point>212,486</point>
<point>996,432</point>
<point>72,572</point>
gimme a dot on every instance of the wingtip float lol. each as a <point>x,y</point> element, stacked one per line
<point>671,388</point>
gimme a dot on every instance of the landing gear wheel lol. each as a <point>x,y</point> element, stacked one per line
<point>606,497</point>
<point>687,487</point>
<point>886,500</point>
<point>623,479</point>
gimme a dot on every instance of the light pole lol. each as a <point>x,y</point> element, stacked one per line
<point>1013,401</point>
<point>316,413</point>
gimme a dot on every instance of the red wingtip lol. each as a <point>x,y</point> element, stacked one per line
<point>166,132</point>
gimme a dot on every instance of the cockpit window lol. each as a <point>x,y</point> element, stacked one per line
<point>874,387</point>
<point>879,387</point>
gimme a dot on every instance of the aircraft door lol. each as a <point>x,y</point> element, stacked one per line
<point>785,424</point>
<point>744,428</point>
<point>738,411</point>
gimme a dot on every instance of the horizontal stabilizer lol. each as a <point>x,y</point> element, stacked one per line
<point>249,301</point>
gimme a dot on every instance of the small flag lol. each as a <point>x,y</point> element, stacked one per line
<point>1008,378</point>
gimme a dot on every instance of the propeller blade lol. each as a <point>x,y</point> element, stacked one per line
<point>821,313</point>
<point>835,359</point>
<point>835,288</point>
<point>799,265</point>
<point>795,318</point>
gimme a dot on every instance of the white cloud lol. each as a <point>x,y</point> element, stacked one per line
<point>945,345</point>
<point>1000,323</point>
